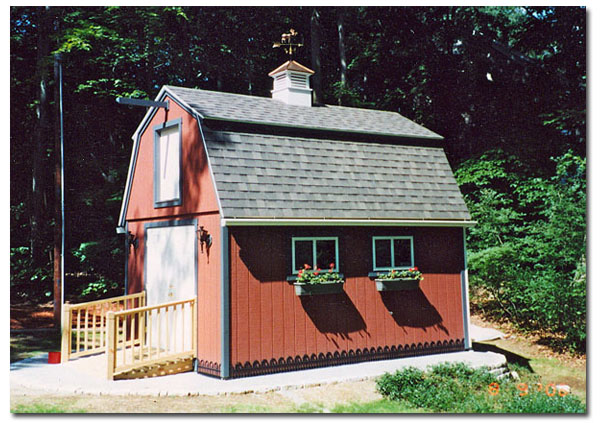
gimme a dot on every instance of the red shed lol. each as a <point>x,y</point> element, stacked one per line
<point>231,196</point>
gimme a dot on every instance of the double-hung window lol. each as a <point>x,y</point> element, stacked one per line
<point>316,252</point>
<point>167,164</point>
<point>393,252</point>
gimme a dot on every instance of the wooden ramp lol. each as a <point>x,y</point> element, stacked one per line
<point>159,368</point>
<point>139,341</point>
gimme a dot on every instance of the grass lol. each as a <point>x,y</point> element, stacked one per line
<point>552,371</point>
<point>43,408</point>
<point>376,407</point>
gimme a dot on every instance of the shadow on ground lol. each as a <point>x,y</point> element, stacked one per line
<point>26,343</point>
<point>511,357</point>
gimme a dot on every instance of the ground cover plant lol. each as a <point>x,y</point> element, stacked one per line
<point>458,388</point>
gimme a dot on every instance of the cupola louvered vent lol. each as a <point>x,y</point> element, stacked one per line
<point>280,82</point>
<point>299,80</point>
<point>291,85</point>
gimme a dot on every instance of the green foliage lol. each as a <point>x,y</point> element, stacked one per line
<point>458,388</point>
<point>28,282</point>
<point>500,132</point>
<point>445,387</point>
<point>541,403</point>
<point>528,249</point>
<point>377,407</point>
<point>43,408</point>
<point>96,259</point>
<point>319,276</point>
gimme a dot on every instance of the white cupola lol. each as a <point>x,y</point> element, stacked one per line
<point>291,85</point>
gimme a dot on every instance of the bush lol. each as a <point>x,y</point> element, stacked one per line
<point>402,384</point>
<point>458,388</point>
<point>445,387</point>
<point>541,403</point>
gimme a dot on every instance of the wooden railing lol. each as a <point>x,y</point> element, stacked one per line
<point>148,336</point>
<point>84,326</point>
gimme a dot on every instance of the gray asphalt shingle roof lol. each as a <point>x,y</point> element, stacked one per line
<point>267,176</point>
<point>262,110</point>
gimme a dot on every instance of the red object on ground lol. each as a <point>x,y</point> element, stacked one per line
<point>54,357</point>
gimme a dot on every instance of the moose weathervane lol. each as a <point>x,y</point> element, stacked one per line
<point>287,42</point>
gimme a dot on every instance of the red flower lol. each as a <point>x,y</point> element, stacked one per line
<point>306,266</point>
<point>331,265</point>
<point>415,269</point>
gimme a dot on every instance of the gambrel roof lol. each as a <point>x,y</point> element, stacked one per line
<point>390,169</point>
<point>266,111</point>
<point>267,176</point>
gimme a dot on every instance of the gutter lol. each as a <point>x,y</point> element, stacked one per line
<point>344,222</point>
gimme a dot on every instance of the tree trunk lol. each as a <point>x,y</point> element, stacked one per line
<point>40,139</point>
<point>315,51</point>
<point>342,47</point>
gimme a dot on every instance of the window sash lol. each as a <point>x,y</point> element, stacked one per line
<point>392,259</point>
<point>167,164</point>
<point>168,187</point>
<point>296,269</point>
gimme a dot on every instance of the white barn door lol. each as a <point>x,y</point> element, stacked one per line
<point>170,264</point>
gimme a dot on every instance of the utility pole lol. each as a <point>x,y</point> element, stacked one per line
<point>59,196</point>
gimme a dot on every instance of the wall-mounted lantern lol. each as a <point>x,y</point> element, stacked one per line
<point>205,238</point>
<point>132,240</point>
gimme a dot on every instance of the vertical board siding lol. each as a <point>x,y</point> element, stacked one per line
<point>272,324</point>
<point>208,286</point>
<point>198,193</point>
<point>199,200</point>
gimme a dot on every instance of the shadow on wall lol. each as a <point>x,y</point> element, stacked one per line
<point>334,314</point>
<point>412,309</point>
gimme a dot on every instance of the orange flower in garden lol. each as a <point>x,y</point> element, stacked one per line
<point>306,266</point>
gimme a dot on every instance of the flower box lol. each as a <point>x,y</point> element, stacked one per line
<point>318,288</point>
<point>398,284</point>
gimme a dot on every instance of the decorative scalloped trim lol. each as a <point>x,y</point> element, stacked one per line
<point>343,357</point>
<point>209,368</point>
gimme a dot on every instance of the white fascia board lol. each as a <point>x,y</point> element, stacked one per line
<point>346,222</point>
<point>127,191</point>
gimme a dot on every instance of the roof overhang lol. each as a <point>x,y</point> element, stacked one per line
<point>291,65</point>
<point>345,222</point>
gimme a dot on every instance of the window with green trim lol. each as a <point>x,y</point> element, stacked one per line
<point>316,252</point>
<point>393,252</point>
